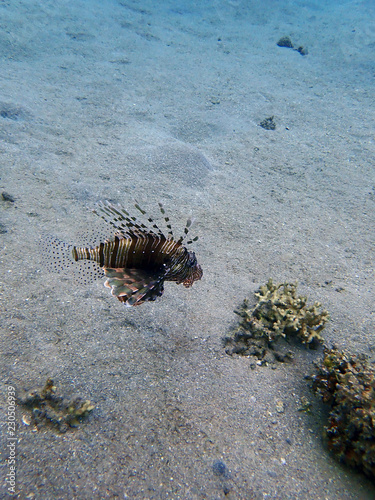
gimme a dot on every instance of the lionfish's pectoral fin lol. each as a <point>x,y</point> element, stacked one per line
<point>134,286</point>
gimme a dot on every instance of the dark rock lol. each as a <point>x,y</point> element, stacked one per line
<point>7,197</point>
<point>272,473</point>
<point>226,489</point>
<point>285,41</point>
<point>302,50</point>
<point>219,468</point>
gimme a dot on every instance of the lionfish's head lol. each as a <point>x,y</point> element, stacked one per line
<point>193,270</point>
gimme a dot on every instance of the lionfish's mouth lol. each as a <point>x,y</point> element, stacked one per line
<point>198,273</point>
<point>194,275</point>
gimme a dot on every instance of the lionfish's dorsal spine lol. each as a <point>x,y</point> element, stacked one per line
<point>170,232</point>
<point>122,221</point>
<point>166,219</point>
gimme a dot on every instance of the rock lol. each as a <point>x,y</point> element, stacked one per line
<point>285,41</point>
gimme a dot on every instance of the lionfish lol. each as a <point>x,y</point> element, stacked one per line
<point>138,259</point>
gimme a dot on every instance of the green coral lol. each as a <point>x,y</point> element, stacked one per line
<point>279,313</point>
<point>347,383</point>
<point>48,407</point>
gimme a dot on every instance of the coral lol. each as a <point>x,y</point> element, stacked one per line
<point>278,313</point>
<point>47,406</point>
<point>268,123</point>
<point>347,383</point>
<point>246,343</point>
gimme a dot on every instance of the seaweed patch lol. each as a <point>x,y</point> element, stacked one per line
<point>47,407</point>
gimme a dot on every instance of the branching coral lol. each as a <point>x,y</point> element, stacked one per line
<point>279,313</point>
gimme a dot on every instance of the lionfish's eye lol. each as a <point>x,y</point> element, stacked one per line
<point>192,262</point>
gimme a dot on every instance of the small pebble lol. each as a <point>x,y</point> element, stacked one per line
<point>219,468</point>
<point>226,489</point>
<point>303,51</point>
<point>7,197</point>
<point>272,473</point>
<point>280,407</point>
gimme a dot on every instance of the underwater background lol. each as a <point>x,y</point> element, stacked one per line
<point>269,148</point>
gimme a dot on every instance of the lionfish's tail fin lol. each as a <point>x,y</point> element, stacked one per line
<point>56,254</point>
<point>59,257</point>
<point>133,286</point>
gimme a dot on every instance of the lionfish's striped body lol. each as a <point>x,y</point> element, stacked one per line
<point>137,260</point>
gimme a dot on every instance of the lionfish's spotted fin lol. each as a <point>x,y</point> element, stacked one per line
<point>57,258</point>
<point>133,286</point>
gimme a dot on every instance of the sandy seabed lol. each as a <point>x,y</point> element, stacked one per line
<point>124,100</point>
